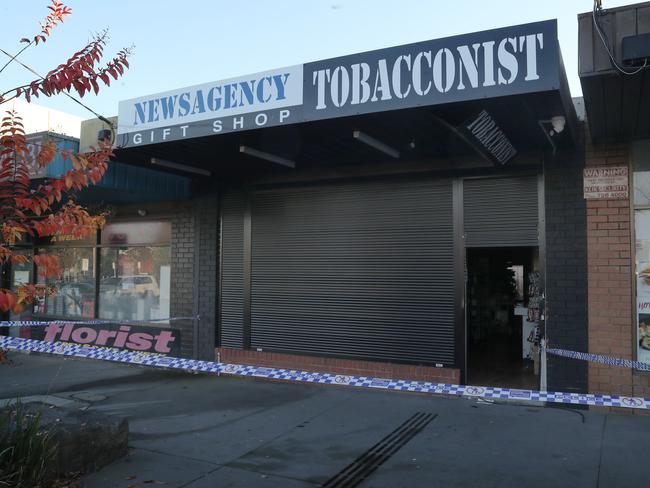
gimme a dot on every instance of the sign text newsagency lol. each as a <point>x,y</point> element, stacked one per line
<point>513,60</point>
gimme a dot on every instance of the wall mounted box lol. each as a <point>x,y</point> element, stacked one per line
<point>636,50</point>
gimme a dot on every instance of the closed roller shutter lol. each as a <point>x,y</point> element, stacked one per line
<point>232,270</point>
<point>358,270</point>
<point>501,212</point>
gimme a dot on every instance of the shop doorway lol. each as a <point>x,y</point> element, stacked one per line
<point>503,296</point>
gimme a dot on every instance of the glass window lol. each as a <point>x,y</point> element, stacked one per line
<point>21,274</point>
<point>75,287</point>
<point>642,188</point>
<point>642,222</point>
<point>60,240</point>
<point>135,283</point>
<point>130,233</point>
<point>134,274</point>
<point>641,157</point>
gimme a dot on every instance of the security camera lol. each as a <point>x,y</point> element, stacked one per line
<point>558,122</point>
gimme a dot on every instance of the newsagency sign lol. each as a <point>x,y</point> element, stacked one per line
<point>259,100</point>
<point>508,61</point>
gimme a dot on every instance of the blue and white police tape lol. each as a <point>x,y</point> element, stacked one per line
<point>599,358</point>
<point>45,323</point>
<point>193,365</point>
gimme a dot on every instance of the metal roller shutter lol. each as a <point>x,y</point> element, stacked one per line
<point>232,270</point>
<point>359,270</point>
<point>501,212</point>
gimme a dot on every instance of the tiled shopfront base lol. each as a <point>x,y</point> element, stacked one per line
<point>339,366</point>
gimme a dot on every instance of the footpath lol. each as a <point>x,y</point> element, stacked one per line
<point>199,431</point>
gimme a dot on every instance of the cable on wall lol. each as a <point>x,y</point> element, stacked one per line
<point>598,8</point>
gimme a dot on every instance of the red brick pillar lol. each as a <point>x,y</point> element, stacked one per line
<point>610,268</point>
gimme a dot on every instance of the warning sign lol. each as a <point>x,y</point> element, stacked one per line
<point>606,183</point>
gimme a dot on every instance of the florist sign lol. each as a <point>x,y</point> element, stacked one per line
<point>127,337</point>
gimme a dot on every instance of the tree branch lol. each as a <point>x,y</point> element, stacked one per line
<point>13,58</point>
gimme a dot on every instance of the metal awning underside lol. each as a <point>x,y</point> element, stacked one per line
<point>418,134</point>
<point>122,183</point>
<point>125,183</point>
<point>461,97</point>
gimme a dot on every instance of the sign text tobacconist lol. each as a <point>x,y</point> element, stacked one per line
<point>508,61</point>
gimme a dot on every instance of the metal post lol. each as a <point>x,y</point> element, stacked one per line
<point>542,378</point>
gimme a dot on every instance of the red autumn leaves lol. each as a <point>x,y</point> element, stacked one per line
<point>31,211</point>
<point>86,169</point>
<point>36,209</point>
<point>58,11</point>
<point>79,73</point>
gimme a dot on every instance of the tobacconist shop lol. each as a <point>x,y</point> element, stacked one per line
<point>426,211</point>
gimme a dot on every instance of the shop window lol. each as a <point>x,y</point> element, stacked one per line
<point>75,288</point>
<point>21,274</point>
<point>641,157</point>
<point>132,233</point>
<point>642,223</point>
<point>135,283</point>
<point>132,280</point>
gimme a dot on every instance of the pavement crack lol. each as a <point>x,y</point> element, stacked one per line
<point>190,458</point>
<point>273,475</point>
<point>204,475</point>
<point>600,455</point>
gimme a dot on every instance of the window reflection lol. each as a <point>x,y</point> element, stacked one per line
<point>135,283</point>
<point>641,157</point>
<point>130,233</point>
<point>75,288</point>
<point>642,188</point>
<point>21,274</point>
<point>133,268</point>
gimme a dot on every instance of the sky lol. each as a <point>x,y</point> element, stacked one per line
<point>183,43</point>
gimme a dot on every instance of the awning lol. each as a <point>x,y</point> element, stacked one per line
<point>122,183</point>
<point>617,101</point>
<point>125,183</point>
<point>494,94</point>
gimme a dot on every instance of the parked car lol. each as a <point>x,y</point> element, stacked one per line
<point>145,285</point>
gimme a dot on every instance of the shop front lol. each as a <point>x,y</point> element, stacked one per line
<point>614,55</point>
<point>382,213</point>
<point>119,275</point>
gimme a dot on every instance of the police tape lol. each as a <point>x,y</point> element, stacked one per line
<point>198,366</point>
<point>599,358</point>
<point>45,323</point>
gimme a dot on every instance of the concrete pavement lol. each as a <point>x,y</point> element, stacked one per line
<point>205,431</point>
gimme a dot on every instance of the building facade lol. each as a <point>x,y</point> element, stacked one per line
<point>427,211</point>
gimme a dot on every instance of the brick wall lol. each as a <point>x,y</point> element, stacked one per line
<point>182,274</point>
<point>194,261</point>
<point>641,384</point>
<point>609,238</point>
<point>339,366</point>
<point>207,230</point>
<point>566,270</point>
<point>600,231</point>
